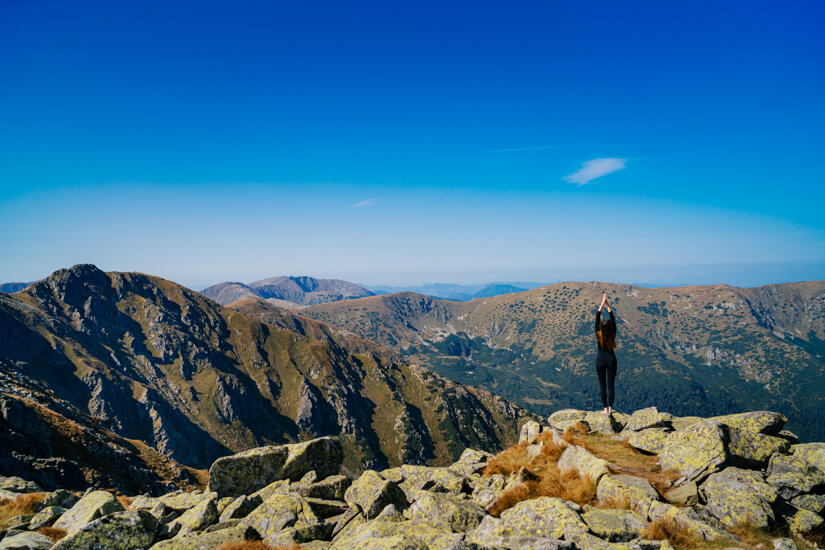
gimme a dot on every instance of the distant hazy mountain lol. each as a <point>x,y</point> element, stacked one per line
<point>13,287</point>
<point>292,290</point>
<point>450,291</point>
<point>703,350</point>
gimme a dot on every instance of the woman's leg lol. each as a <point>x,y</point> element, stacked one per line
<point>601,369</point>
<point>611,378</point>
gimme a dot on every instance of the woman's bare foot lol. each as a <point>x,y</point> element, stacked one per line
<point>605,411</point>
<point>609,410</point>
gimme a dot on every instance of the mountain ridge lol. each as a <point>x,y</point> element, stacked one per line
<point>298,290</point>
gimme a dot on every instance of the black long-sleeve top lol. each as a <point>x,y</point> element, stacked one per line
<point>598,322</point>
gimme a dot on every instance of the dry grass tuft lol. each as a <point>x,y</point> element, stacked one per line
<point>20,506</point>
<point>53,533</point>
<point>615,503</point>
<point>574,430</point>
<point>125,501</point>
<point>508,461</point>
<point>676,534</point>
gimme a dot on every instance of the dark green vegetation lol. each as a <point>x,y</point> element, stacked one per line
<point>703,350</point>
<point>156,362</point>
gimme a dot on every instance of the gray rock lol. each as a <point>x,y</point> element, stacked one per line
<point>696,451</point>
<point>18,484</point>
<point>792,475</point>
<point>209,541</point>
<point>685,494</point>
<point>91,506</point>
<point>197,518</point>
<point>246,472</point>
<point>26,541</point>
<point>370,493</point>
<point>734,502</point>
<point>240,507</point>
<point>133,530</point>
<point>754,450</point>
<point>561,420</point>
<point>614,525</point>
<point>644,419</point>
<point>45,517</point>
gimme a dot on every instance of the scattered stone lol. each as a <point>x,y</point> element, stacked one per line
<point>803,521</point>
<point>644,419</point>
<point>93,505</point>
<point>651,440</point>
<point>793,475</point>
<point>813,453</point>
<point>431,478</point>
<point>764,422</point>
<point>246,472</point>
<point>690,519</point>
<point>584,463</point>
<point>240,508</point>
<point>470,462</point>
<point>544,517</point>
<point>814,503</point>
<point>61,498</point>
<point>461,515</point>
<point>754,450</point>
<point>18,484</point>
<point>370,493</point>
<point>278,512</point>
<point>734,502</point>
<point>530,431</point>
<point>561,420</point>
<point>45,517</point>
<point>685,494</point>
<point>622,488</point>
<point>30,540</point>
<point>209,541</point>
<point>599,422</point>
<point>614,525</point>
<point>696,451</point>
<point>331,488</point>
<point>197,518</point>
<point>133,530</point>
<point>679,423</point>
<point>784,544</point>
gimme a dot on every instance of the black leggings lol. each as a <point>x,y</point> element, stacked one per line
<point>606,369</point>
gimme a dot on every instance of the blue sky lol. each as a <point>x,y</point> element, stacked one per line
<point>410,142</point>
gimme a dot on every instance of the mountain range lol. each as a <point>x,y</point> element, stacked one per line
<point>704,350</point>
<point>152,361</point>
<point>450,291</point>
<point>287,291</point>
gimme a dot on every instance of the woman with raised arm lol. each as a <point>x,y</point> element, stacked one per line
<point>606,358</point>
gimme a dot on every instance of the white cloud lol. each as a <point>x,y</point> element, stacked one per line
<point>368,202</point>
<point>596,168</point>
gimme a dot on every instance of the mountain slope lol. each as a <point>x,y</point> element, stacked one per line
<point>10,288</point>
<point>711,350</point>
<point>157,362</point>
<point>295,290</point>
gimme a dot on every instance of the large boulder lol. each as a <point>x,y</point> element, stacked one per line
<point>686,494</point>
<point>814,503</point>
<point>18,485</point>
<point>803,522</point>
<point>331,488</point>
<point>280,511</point>
<point>92,506</point>
<point>246,472</point>
<point>793,475</point>
<point>696,451</point>
<point>544,517</point>
<point>614,525</point>
<point>763,422</point>
<point>195,519</point>
<point>180,500</point>
<point>431,478</point>
<point>651,440</point>
<point>29,540</point>
<point>470,462</point>
<point>134,530</point>
<point>644,419</point>
<point>45,517</point>
<point>370,493</point>
<point>734,502</point>
<point>240,507</point>
<point>812,453</point>
<point>392,532</point>
<point>690,519</point>
<point>209,540</point>
<point>754,450</point>
<point>561,420</point>
<point>580,460</point>
<point>606,424</point>
<point>460,514</point>
<point>620,489</point>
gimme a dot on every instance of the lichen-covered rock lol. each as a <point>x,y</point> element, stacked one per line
<point>544,517</point>
<point>60,498</point>
<point>651,440</point>
<point>621,488</point>
<point>470,462</point>
<point>370,493</point>
<point>561,420</point>
<point>529,431</point>
<point>686,494</point>
<point>753,479</point>
<point>240,507</point>
<point>181,501</point>
<point>764,422</point>
<point>133,530</point>
<point>209,541</point>
<point>614,525</point>
<point>734,502</point>
<point>792,475</point>
<point>246,472</point>
<point>376,533</point>
<point>92,506</point>
<point>784,544</point>
<point>814,503</point>
<point>644,419</point>
<point>813,453</point>
<point>331,488</point>
<point>26,541</point>
<point>599,422</point>
<point>45,517</point>
<point>679,423</point>
<point>580,460</point>
<point>754,450</point>
<point>18,485</point>
<point>696,451</point>
<point>278,512</point>
<point>460,514</point>
<point>301,534</point>
<point>432,478</point>
<point>690,519</point>
<point>803,522</point>
<point>195,519</point>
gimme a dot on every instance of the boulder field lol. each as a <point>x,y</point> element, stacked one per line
<point>733,470</point>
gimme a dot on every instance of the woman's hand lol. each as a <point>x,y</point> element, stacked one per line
<point>604,301</point>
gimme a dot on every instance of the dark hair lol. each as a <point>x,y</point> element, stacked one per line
<point>606,335</point>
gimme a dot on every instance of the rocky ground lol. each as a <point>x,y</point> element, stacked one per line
<point>737,481</point>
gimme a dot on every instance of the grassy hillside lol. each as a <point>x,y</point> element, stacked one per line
<point>706,349</point>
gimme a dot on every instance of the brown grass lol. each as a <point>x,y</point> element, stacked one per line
<point>125,501</point>
<point>53,533</point>
<point>545,478</point>
<point>750,537</point>
<point>20,506</point>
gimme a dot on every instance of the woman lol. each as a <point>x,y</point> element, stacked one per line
<point>605,358</point>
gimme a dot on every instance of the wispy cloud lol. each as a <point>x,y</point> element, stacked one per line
<point>523,149</point>
<point>596,168</point>
<point>368,202</point>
